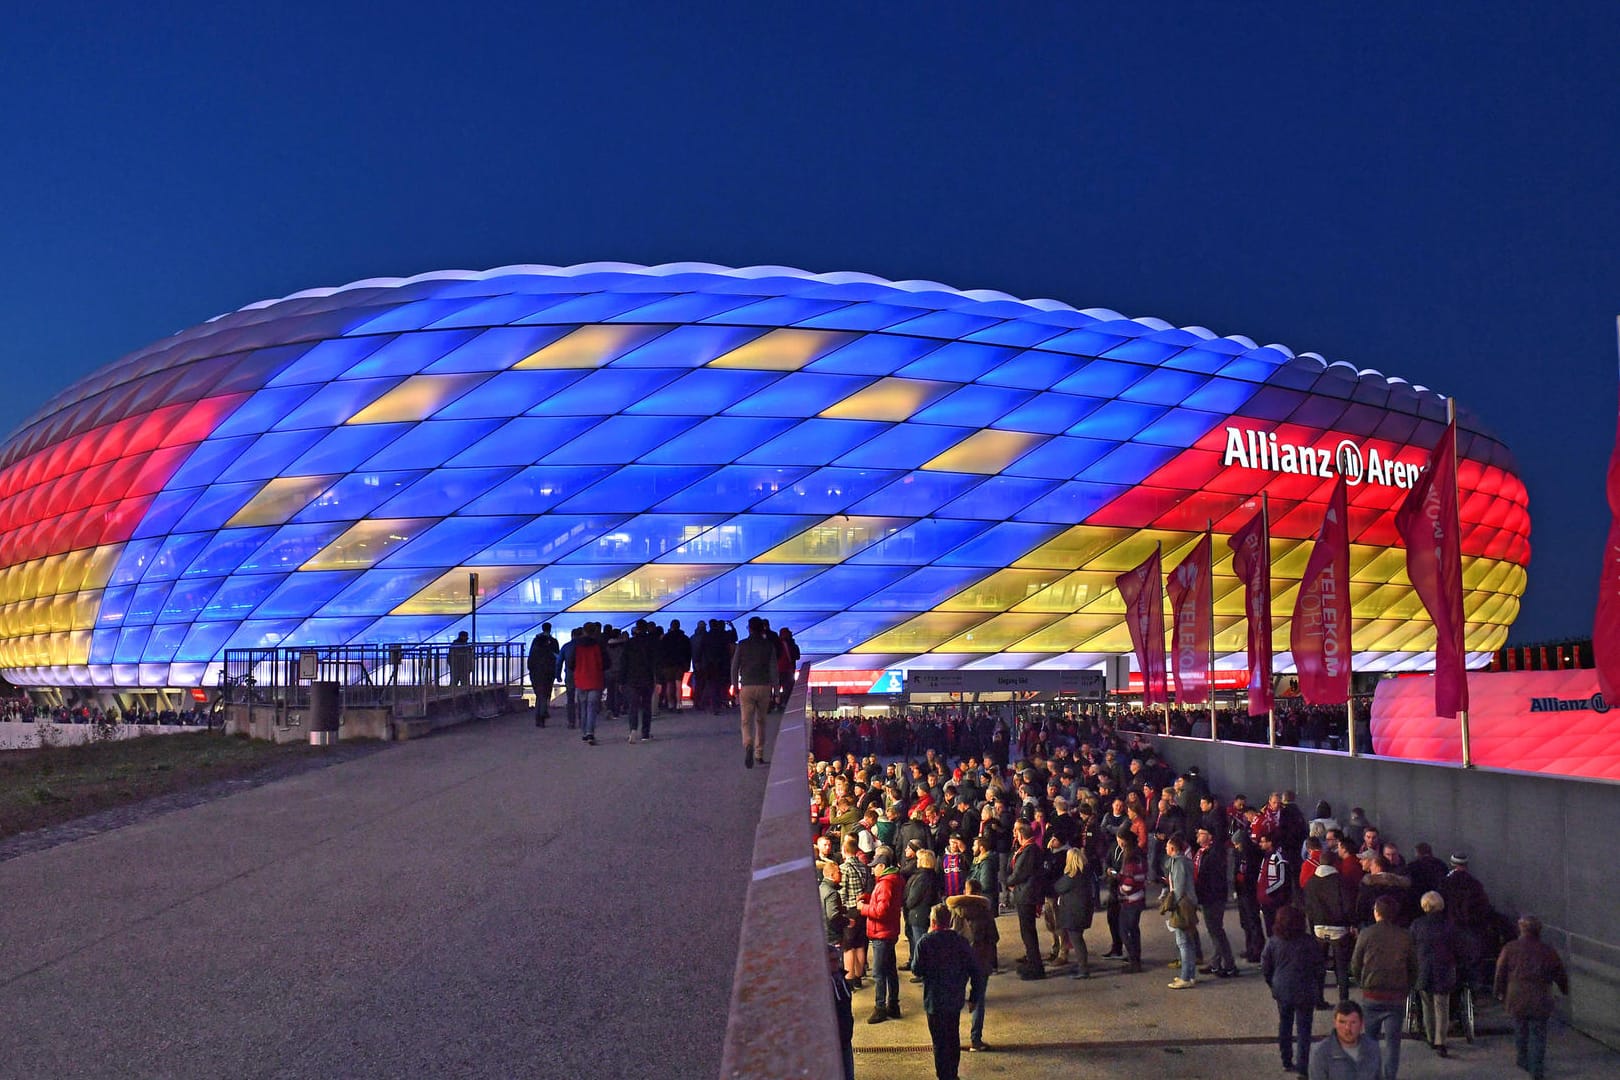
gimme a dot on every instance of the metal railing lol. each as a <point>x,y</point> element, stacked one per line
<point>403,678</point>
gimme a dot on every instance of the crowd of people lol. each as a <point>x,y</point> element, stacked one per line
<point>1091,822</point>
<point>1001,730</point>
<point>26,712</point>
<point>638,671</point>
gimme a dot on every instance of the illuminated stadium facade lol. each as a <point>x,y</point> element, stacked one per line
<point>906,474</point>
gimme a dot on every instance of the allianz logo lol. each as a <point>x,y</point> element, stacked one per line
<point>1595,703</point>
<point>1250,449</point>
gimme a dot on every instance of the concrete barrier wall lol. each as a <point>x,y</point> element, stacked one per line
<point>781,1022</point>
<point>18,736</point>
<point>1539,844</point>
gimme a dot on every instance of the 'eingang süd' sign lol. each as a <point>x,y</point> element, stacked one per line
<point>1089,684</point>
<point>1249,449</point>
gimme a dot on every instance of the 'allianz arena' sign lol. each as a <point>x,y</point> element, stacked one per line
<point>1249,449</point>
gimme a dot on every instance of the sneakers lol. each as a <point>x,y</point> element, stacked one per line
<point>632,738</point>
<point>590,740</point>
<point>1182,984</point>
<point>978,1045</point>
<point>748,763</point>
<point>877,1017</point>
<point>894,1010</point>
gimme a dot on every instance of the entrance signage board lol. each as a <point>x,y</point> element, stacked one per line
<point>1088,684</point>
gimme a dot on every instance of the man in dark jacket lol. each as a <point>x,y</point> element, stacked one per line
<point>1469,910</point>
<point>640,672</point>
<point>1027,879</point>
<point>1329,916</point>
<point>1526,972</point>
<point>543,652</point>
<point>753,671</point>
<point>674,661</point>
<point>1209,884</point>
<point>948,969</point>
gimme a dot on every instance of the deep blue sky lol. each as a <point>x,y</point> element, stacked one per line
<point>1431,192</point>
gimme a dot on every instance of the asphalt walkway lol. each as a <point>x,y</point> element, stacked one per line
<point>494,901</point>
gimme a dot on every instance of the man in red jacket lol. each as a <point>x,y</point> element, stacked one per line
<point>589,667</point>
<point>883,908</point>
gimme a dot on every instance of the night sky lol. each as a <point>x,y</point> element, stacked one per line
<point>1434,193</point>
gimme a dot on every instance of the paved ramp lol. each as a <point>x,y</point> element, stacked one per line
<point>494,901</point>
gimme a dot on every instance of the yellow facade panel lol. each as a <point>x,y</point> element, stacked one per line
<point>783,350</point>
<point>998,634</point>
<point>417,398</point>
<point>279,500</point>
<point>1070,593</point>
<point>921,633</point>
<point>365,543</point>
<point>1074,548</point>
<point>447,594</point>
<point>590,346</point>
<point>648,587</point>
<point>986,452</point>
<point>1001,590</point>
<point>834,540</point>
<point>889,398</point>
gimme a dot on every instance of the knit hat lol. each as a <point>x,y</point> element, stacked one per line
<point>1459,859</point>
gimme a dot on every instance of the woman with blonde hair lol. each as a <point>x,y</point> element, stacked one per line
<point>924,889</point>
<point>1435,943</point>
<point>1076,892</point>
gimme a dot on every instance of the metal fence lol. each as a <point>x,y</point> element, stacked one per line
<point>405,679</point>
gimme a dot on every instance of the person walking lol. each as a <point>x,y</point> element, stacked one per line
<point>589,668</point>
<point>973,918</point>
<point>1384,965</point>
<point>753,672</point>
<point>1526,972</point>
<point>1292,965</point>
<point>952,977</point>
<point>1436,945</point>
<point>543,651</point>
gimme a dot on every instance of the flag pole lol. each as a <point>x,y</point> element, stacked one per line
<point>1271,706</point>
<point>1209,675</point>
<point>1158,549</point>
<point>1349,645</point>
<point>1462,714</point>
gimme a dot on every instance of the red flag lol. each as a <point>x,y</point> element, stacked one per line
<point>1320,636</point>
<point>1143,592</point>
<point>1251,559</point>
<point>1606,627</point>
<point>1192,606</point>
<point>1427,522</point>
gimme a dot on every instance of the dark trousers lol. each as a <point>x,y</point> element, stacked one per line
<point>1254,934</point>
<point>1529,1045</point>
<point>640,698</point>
<point>1130,928</point>
<point>1031,939</point>
<point>572,707</point>
<point>1294,1036</point>
<point>1215,922</point>
<point>945,1030</point>
<point>1338,958</point>
<point>1115,945</point>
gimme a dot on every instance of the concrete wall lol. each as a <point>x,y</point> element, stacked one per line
<point>1539,844</point>
<point>18,736</point>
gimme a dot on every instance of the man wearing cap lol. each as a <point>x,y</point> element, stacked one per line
<point>1469,910</point>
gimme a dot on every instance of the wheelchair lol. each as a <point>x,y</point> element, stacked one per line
<point>1462,1015</point>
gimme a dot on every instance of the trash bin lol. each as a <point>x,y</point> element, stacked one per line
<point>323,713</point>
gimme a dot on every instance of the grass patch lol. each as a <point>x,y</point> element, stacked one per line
<point>46,787</point>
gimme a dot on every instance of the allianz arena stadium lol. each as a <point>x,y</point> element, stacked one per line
<point>906,474</point>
